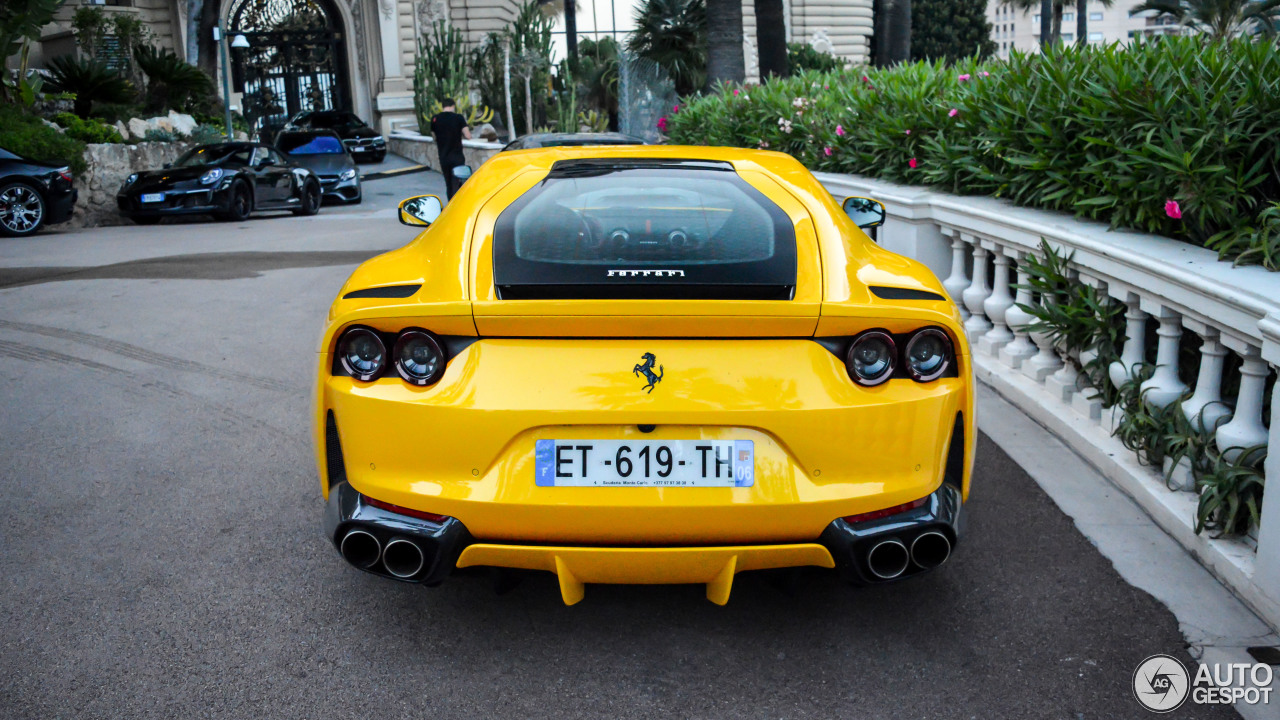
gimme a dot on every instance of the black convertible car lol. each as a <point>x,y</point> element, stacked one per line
<point>362,141</point>
<point>225,180</point>
<point>32,194</point>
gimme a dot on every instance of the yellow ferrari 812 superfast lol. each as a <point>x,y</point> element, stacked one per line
<point>643,364</point>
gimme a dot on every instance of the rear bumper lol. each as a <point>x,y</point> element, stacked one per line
<point>61,207</point>
<point>447,545</point>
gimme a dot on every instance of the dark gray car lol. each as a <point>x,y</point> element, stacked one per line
<point>322,152</point>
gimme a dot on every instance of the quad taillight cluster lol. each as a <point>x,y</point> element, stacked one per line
<point>873,356</point>
<point>417,355</point>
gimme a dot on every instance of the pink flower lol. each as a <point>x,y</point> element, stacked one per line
<point>912,163</point>
<point>675,109</point>
<point>866,79</point>
<point>735,93</point>
<point>984,73</point>
<point>954,112</point>
<point>839,131</point>
<point>964,77</point>
<point>827,150</point>
<point>908,132</point>
<point>1172,209</point>
<point>826,87</point>
<point>662,123</point>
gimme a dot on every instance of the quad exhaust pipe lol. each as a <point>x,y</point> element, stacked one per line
<point>888,559</point>
<point>930,549</point>
<point>360,548</point>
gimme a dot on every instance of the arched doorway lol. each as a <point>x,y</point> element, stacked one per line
<point>296,60</point>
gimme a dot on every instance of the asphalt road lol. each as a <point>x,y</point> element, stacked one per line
<point>161,553</point>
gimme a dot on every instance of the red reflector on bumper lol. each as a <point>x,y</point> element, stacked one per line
<point>421,515</point>
<point>877,514</point>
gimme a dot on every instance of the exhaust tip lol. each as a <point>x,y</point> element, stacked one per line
<point>403,558</point>
<point>360,548</point>
<point>888,559</point>
<point>930,549</point>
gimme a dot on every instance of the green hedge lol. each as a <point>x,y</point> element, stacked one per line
<point>1110,133</point>
<point>26,135</point>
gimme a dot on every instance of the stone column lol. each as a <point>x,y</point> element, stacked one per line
<point>1164,386</point>
<point>958,281</point>
<point>996,306</point>
<point>976,294</point>
<point>1017,319</point>
<point>1246,429</point>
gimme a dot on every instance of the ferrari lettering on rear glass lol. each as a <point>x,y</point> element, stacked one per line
<point>646,273</point>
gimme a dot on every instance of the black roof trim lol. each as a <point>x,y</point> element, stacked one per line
<point>602,166</point>
<point>897,293</point>
<point>387,291</point>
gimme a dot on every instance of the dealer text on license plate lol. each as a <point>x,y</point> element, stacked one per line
<point>153,197</point>
<point>648,463</point>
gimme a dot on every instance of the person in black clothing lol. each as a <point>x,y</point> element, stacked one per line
<point>449,129</point>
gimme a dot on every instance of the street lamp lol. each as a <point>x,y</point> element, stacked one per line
<point>239,41</point>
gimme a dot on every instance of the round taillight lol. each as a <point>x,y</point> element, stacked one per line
<point>928,354</point>
<point>362,354</point>
<point>871,358</point>
<point>419,357</point>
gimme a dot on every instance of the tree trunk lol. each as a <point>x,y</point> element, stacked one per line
<point>900,32</point>
<point>724,42</point>
<point>771,37</point>
<point>528,105</point>
<point>571,32</point>
<point>195,8</point>
<point>1057,22</point>
<point>1082,22</point>
<point>506,84</point>
<point>207,47</point>
<point>1046,22</point>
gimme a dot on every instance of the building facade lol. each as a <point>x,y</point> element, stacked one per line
<point>359,54</point>
<point>1012,28</point>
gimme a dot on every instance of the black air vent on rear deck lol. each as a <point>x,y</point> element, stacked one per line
<point>898,293</point>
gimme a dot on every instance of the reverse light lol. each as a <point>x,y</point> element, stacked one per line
<point>928,354</point>
<point>878,514</point>
<point>211,177</point>
<point>362,354</point>
<point>871,358</point>
<point>419,357</point>
<point>420,514</point>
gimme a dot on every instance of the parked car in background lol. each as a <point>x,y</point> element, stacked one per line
<point>362,141</point>
<point>226,180</point>
<point>541,140</point>
<point>32,194</point>
<point>321,152</point>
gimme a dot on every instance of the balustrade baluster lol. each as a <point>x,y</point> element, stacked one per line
<point>1017,319</point>
<point>1134,352</point>
<point>958,281</point>
<point>1245,430</point>
<point>1205,409</point>
<point>976,294</point>
<point>996,306</point>
<point>1164,386</point>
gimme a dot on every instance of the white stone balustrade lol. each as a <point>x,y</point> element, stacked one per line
<point>1164,386</point>
<point>1184,288</point>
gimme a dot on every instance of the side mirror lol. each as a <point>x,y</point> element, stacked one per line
<point>867,213</point>
<point>420,211</point>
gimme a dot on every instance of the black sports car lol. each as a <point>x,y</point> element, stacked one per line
<point>321,152</point>
<point>32,194</point>
<point>362,141</point>
<point>540,140</point>
<point>225,180</point>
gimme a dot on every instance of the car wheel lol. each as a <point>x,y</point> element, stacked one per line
<point>239,207</point>
<point>310,200</point>
<point>21,209</point>
<point>146,219</point>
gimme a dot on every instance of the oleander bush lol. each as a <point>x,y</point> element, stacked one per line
<point>1179,136</point>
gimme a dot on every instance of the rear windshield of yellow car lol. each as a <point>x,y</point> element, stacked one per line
<point>644,229</point>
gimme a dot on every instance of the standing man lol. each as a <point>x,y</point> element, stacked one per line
<point>449,128</point>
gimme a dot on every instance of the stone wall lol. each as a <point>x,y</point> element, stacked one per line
<point>109,165</point>
<point>422,149</point>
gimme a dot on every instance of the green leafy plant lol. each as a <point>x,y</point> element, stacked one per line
<point>205,134</point>
<point>173,83</point>
<point>88,131</point>
<point>440,72</point>
<point>90,81</point>
<point>1179,137</point>
<point>950,30</point>
<point>1231,492</point>
<point>159,135</point>
<point>21,23</point>
<point>1219,19</point>
<point>673,34</point>
<point>803,56</point>
<point>1254,244</point>
<point>25,134</point>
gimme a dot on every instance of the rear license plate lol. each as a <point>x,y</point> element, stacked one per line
<point>657,463</point>
<point>152,197</point>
